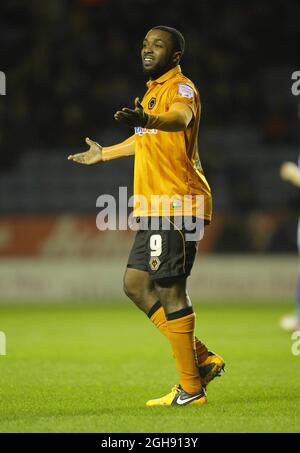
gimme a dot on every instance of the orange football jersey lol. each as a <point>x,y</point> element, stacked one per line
<point>167,164</point>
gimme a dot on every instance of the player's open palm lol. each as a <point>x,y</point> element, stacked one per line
<point>92,156</point>
<point>136,117</point>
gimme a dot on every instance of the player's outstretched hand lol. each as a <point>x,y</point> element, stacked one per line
<point>92,156</point>
<point>136,117</point>
<point>288,171</point>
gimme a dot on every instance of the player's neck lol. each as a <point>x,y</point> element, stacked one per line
<point>157,75</point>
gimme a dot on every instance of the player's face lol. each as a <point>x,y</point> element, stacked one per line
<point>157,53</point>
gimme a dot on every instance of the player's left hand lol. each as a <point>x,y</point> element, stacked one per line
<point>136,117</point>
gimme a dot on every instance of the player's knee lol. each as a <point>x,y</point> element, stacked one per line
<point>172,293</point>
<point>127,288</point>
<point>131,287</point>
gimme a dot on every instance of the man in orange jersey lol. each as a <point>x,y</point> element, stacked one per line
<point>167,165</point>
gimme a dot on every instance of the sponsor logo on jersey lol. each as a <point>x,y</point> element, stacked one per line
<point>143,130</point>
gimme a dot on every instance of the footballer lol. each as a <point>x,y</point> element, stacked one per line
<point>290,172</point>
<point>165,127</point>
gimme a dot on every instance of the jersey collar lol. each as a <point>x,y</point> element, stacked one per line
<point>168,75</point>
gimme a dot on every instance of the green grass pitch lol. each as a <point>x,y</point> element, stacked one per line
<point>90,368</point>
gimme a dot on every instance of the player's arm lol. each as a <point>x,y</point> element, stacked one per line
<point>176,119</point>
<point>97,153</point>
<point>290,172</point>
<point>126,148</point>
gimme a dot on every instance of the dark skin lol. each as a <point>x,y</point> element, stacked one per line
<point>144,292</point>
<point>158,57</point>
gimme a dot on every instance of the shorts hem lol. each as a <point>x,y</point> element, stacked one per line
<point>139,268</point>
<point>169,275</point>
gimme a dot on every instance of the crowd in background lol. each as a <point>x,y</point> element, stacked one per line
<point>71,64</point>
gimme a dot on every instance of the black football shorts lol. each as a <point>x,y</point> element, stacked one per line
<point>165,246</point>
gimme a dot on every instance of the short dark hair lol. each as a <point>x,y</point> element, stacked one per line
<point>177,37</point>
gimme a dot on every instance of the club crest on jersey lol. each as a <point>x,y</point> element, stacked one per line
<point>185,90</point>
<point>154,263</point>
<point>151,103</point>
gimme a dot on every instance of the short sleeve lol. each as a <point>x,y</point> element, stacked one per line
<point>184,93</point>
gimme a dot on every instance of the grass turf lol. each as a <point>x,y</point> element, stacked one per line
<point>90,368</point>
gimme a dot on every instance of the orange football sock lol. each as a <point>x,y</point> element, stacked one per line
<point>201,351</point>
<point>181,325</point>
<point>158,317</point>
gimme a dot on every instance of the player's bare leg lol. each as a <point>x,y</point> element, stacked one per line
<point>172,294</point>
<point>140,289</point>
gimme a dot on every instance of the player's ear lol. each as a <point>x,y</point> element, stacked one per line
<point>177,57</point>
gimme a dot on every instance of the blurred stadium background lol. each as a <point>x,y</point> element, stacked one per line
<point>69,66</point>
<point>74,342</point>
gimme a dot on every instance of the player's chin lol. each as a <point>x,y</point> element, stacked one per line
<point>149,70</point>
<point>146,71</point>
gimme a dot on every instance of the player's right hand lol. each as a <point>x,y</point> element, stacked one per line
<point>288,170</point>
<point>92,156</point>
